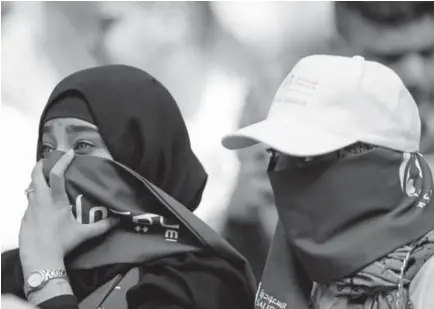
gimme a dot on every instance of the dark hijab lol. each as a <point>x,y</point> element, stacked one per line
<point>143,129</point>
<point>140,123</point>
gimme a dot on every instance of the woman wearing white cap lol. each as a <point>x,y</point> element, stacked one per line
<point>352,191</point>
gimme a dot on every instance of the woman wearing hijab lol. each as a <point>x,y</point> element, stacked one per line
<point>114,152</point>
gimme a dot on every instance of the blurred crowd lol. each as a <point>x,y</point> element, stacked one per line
<point>222,61</point>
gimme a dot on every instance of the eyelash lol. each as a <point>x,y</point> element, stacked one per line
<point>46,148</point>
<point>86,143</point>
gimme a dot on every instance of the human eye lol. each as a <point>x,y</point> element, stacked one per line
<point>46,149</point>
<point>83,147</point>
<point>355,149</point>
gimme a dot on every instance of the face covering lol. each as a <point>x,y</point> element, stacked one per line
<point>139,122</point>
<point>337,216</point>
<point>153,224</point>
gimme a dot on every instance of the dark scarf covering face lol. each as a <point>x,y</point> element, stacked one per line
<point>356,227</point>
<point>140,123</point>
<point>143,130</point>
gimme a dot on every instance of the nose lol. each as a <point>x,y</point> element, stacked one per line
<point>63,148</point>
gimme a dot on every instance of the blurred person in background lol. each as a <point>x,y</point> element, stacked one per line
<point>101,116</point>
<point>397,34</point>
<point>353,195</point>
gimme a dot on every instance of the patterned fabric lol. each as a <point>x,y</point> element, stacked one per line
<point>383,284</point>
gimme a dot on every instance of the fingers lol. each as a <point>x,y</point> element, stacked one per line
<point>38,179</point>
<point>57,177</point>
<point>99,228</point>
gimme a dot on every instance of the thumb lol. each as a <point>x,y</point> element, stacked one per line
<point>100,227</point>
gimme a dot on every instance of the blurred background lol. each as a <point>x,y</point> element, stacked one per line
<point>222,62</point>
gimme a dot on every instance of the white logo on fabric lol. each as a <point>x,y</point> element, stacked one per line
<point>171,233</point>
<point>142,222</point>
<point>296,89</point>
<point>92,211</point>
<point>266,301</point>
<point>406,179</point>
<point>138,229</point>
<point>426,198</point>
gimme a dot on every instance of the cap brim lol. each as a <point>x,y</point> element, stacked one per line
<point>289,137</point>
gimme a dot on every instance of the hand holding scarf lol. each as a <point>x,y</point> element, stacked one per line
<point>48,229</point>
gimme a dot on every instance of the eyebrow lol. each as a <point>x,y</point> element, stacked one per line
<point>80,129</point>
<point>71,129</point>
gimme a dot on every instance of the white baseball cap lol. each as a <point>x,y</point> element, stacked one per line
<point>329,102</point>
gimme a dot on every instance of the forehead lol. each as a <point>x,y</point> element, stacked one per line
<point>370,38</point>
<point>69,124</point>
